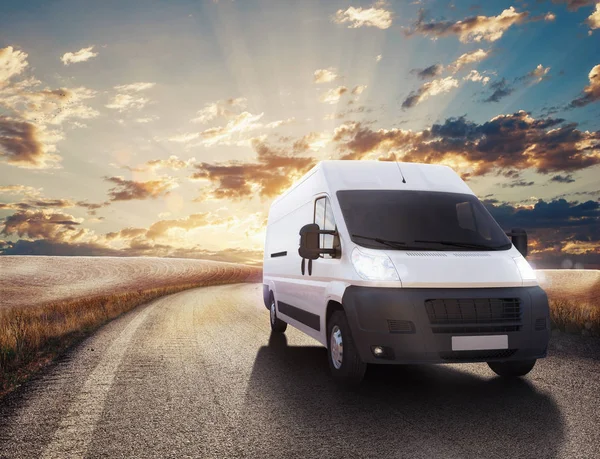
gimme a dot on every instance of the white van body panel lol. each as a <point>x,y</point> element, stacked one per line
<point>330,277</point>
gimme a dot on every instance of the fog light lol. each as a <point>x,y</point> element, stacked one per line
<point>378,351</point>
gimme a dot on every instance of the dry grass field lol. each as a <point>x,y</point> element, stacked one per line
<point>574,296</point>
<point>49,303</point>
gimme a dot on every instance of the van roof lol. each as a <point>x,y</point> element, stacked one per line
<point>384,175</point>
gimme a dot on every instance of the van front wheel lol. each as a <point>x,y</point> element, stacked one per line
<point>346,366</point>
<point>277,325</point>
<point>512,369</point>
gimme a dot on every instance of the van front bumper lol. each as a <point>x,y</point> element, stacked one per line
<point>416,325</point>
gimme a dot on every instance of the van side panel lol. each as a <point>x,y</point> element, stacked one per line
<point>282,268</point>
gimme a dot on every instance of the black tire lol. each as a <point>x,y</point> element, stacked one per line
<point>512,369</point>
<point>352,369</point>
<point>277,325</point>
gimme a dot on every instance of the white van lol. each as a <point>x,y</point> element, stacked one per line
<point>389,262</point>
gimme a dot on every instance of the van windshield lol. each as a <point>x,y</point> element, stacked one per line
<point>420,220</point>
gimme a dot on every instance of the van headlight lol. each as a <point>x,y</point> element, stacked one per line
<point>374,267</point>
<point>525,269</point>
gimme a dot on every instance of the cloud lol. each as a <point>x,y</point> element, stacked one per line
<point>41,224</point>
<point>506,142</point>
<point>135,87</point>
<point>500,89</point>
<point>537,74</point>
<point>271,173</point>
<point>475,76</point>
<point>431,88</point>
<point>127,190</point>
<point>594,19</point>
<point>364,17</point>
<point>333,95</point>
<point>591,93</point>
<point>173,162</point>
<point>471,29</point>
<point>127,97</point>
<point>358,90</point>
<point>21,144</point>
<point>20,189</point>
<point>430,72</point>
<point>84,54</point>
<point>517,183</point>
<point>227,108</point>
<point>557,227</point>
<point>162,227</point>
<point>574,5</point>
<point>568,178</point>
<point>468,58</point>
<point>325,75</point>
<point>12,62</point>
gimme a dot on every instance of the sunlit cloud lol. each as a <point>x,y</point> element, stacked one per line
<point>537,74</point>
<point>332,96</point>
<point>325,75</point>
<point>127,190</point>
<point>12,62</point>
<point>475,76</point>
<point>84,54</point>
<point>506,142</point>
<point>272,172</point>
<point>591,93</point>
<point>594,19</point>
<point>468,58</point>
<point>431,88</point>
<point>375,16</point>
<point>222,108</point>
<point>472,29</point>
<point>127,97</point>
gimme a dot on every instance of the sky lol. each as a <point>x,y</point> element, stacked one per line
<point>166,128</point>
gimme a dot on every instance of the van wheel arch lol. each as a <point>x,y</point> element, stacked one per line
<point>332,306</point>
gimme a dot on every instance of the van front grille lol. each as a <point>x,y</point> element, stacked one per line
<point>474,315</point>
<point>477,355</point>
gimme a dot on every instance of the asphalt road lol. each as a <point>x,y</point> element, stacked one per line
<point>196,374</point>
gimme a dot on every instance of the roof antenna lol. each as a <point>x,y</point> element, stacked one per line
<point>403,180</point>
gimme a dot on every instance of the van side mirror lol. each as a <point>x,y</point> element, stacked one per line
<point>310,246</point>
<point>309,241</point>
<point>519,239</point>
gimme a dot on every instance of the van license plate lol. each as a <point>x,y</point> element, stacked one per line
<point>479,343</point>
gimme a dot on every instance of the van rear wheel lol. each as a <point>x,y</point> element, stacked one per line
<point>512,369</point>
<point>344,362</point>
<point>277,325</point>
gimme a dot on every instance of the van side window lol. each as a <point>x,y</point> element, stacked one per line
<point>324,218</point>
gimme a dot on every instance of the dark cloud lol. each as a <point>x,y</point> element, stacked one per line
<point>430,72</point>
<point>40,224</point>
<point>517,183</point>
<point>127,190</point>
<point>20,143</point>
<point>574,5</point>
<point>507,142</point>
<point>568,178</point>
<point>500,89</point>
<point>557,230</point>
<point>273,171</point>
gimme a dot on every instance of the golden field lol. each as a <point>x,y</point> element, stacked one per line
<point>49,303</point>
<point>574,296</point>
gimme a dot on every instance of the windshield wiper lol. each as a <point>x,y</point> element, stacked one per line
<point>393,244</point>
<point>467,245</point>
